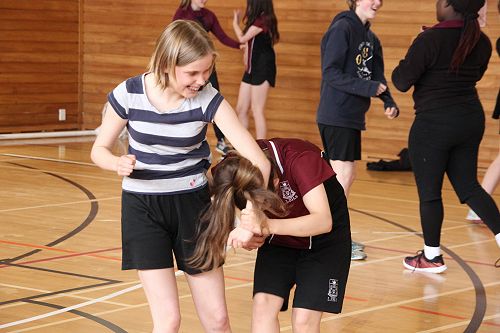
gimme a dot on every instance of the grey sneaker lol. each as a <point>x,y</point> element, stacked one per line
<point>221,147</point>
<point>358,255</point>
<point>357,246</point>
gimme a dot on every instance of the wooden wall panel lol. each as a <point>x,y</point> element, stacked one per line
<point>39,62</point>
<point>39,59</point>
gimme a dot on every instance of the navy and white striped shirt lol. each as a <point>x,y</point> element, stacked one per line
<point>171,147</point>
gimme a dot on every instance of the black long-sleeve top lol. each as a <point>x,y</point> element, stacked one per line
<point>426,66</point>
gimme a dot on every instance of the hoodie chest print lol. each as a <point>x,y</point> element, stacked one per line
<point>365,54</point>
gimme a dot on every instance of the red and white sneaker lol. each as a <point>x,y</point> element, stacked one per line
<point>472,216</point>
<point>420,263</point>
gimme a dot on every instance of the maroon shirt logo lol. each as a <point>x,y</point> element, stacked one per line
<point>287,192</point>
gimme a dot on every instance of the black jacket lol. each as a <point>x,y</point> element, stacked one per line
<point>352,68</point>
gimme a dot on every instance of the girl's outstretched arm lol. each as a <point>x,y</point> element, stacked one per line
<point>241,139</point>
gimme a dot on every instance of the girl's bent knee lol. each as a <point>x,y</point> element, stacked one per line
<point>168,325</point>
<point>220,323</point>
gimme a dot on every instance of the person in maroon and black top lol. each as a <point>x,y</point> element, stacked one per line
<point>443,64</point>
<point>307,246</point>
<point>260,33</point>
<point>195,10</point>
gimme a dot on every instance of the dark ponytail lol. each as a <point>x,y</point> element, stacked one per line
<point>470,32</point>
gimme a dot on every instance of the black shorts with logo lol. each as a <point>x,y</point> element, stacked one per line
<point>154,226</point>
<point>320,273</point>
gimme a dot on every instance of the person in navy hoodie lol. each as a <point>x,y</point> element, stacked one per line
<point>352,68</point>
<point>443,64</point>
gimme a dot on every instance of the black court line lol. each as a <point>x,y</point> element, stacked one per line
<point>60,272</point>
<point>69,290</point>
<point>24,299</point>
<point>481,303</point>
<point>112,327</point>
<point>90,217</point>
<point>94,207</point>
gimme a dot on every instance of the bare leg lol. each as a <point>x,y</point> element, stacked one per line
<point>305,320</point>
<point>259,98</point>
<point>243,104</point>
<point>346,173</point>
<point>492,176</point>
<point>266,308</point>
<point>490,182</point>
<point>209,299</point>
<point>161,291</point>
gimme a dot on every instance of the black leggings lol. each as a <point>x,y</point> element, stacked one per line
<point>447,141</point>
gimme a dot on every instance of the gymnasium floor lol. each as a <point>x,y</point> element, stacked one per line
<point>60,255</point>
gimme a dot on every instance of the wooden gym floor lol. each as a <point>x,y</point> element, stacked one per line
<point>60,255</point>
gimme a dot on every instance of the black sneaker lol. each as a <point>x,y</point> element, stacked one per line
<point>420,263</point>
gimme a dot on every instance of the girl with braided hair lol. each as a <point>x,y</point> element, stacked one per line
<point>304,220</point>
<point>443,64</point>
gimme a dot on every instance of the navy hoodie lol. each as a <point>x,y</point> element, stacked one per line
<point>352,68</point>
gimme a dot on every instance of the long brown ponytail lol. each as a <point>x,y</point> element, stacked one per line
<point>471,30</point>
<point>235,180</point>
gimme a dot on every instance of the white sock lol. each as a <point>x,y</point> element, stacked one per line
<point>431,252</point>
<point>497,237</point>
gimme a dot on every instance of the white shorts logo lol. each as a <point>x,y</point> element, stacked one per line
<point>333,290</point>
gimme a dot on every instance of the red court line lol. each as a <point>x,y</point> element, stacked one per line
<point>73,254</point>
<point>447,258</point>
<point>431,312</point>
<point>36,246</point>
<point>237,279</point>
<point>54,249</point>
<point>442,314</point>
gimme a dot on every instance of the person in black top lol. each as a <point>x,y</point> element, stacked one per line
<point>443,64</point>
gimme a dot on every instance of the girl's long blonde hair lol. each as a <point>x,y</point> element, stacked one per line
<point>235,180</point>
<point>181,43</point>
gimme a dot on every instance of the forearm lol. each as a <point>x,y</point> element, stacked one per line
<point>223,37</point>
<point>104,159</point>
<point>349,84</point>
<point>238,32</point>
<point>303,226</point>
<point>386,97</point>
